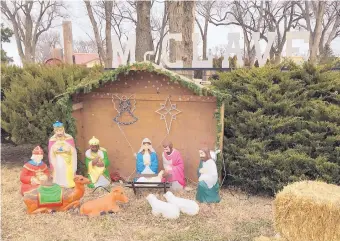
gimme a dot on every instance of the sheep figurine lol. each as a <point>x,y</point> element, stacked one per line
<point>168,210</point>
<point>186,206</point>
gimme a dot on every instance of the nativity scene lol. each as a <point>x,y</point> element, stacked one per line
<point>135,108</point>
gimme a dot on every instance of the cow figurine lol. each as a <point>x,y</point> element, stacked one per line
<point>106,204</point>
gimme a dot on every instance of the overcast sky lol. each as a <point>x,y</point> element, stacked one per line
<point>82,29</point>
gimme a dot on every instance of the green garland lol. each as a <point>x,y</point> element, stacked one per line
<point>88,84</point>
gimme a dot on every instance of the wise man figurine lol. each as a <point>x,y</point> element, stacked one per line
<point>147,161</point>
<point>173,166</point>
<point>97,163</point>
<point>62,156</point>
<point>34,172</point>
<point>208,187</point>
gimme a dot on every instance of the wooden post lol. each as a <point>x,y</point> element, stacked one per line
<point>221,135</point>
<point>133,187</point>
<point>68,42</point>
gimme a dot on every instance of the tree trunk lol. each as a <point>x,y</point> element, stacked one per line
<point>205,36</point>
<point>95,30</point>
<point>333,31</point>
<point>188,28</point>
<point>143,30</point>
<point>181,20</point>
<point>316,35</point>
<point>176,16</point>
<point>165,16</point>
<point>108,41</point>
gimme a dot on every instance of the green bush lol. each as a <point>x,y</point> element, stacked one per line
<point>29,108</point>
<point>281,127</point>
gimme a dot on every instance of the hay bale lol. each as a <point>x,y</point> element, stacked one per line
<point>308,210</point>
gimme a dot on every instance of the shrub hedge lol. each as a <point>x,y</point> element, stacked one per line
<point>281,127</point>
<point>28,106</point>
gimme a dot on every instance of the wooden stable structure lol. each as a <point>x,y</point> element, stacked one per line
<point>190,123</point>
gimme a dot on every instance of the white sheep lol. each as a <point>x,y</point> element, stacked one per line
<point>168,210</point>
<point>186,206</point>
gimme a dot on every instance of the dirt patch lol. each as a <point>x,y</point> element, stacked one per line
<point>16,154</point>
<point>236,217</point>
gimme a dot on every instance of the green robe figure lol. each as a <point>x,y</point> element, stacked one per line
<point>97,164</point>
<point>208,187</point>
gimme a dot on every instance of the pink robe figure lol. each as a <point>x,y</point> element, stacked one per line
<point>174,164</point>
<point>63,165</point>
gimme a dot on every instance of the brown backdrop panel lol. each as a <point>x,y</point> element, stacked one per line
<point>78,116</point>
<point>194,126</point>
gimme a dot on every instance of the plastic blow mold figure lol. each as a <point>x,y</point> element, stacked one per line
<point>173,166</point>
<point>34,172</point>
<point>208,187</point>
<point>147,162</point>
<point>51,197</point>
<point>97,163</point>
<point>62,156</point>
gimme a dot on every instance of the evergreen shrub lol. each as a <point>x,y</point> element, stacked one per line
<point>29,106</point>
<point>281,127</point>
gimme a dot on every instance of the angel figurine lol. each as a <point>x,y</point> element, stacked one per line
<point>126,107</point>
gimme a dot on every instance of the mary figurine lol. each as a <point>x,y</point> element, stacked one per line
<point>147,162</point>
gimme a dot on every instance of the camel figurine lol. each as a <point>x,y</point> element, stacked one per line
<point>104,204</point>
<point>68,198</point>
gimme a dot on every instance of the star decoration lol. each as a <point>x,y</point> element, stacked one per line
<point>168,109</point>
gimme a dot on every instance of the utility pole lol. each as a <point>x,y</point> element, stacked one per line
<point>68,42</point>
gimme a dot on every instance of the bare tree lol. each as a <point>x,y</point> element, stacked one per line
<point>248,15</point>
<point>313,14</point>
<point>47,41</point>
<point>280,18</point>
<point>204,10</point>
<point>181,20</point>
<point>144,41</point>
<point>30,19</point>
<point>105,53</point>
<point>150,27</point>
<point>259,16</point>
<point>159,29</point>
<point>108,6</point>
<point>85,46</point>
<point>330,25</point>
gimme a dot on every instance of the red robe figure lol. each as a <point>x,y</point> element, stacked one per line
<point>34,172</point>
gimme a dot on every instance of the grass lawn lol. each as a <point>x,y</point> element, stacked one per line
<point>236,218</point>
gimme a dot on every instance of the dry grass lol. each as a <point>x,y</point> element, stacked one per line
<point>236,218</point>
<point>263,238</point>
<point>308,210</point>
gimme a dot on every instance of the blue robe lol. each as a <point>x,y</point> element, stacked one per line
<point>153,165</point>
